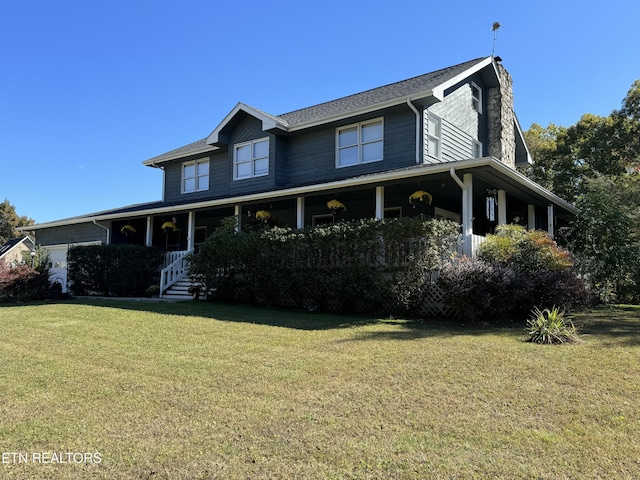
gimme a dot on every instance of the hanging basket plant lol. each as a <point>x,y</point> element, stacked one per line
<point>128,230</point>
<point>420,197</point>
<point>169,227</point>
<point>263,215</point>
<point>336,207</point>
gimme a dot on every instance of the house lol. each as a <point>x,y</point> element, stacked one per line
<point>11,253</point>
<point>452,133</point>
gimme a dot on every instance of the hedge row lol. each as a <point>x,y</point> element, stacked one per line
<point>364,266</point>
<point>119,270</point>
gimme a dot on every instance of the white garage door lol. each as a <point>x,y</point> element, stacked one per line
<point>58,262</point>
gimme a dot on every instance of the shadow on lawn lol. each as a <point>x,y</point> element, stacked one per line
<point>617,324</point>
<point>299,320</point>
<point>302,320</point>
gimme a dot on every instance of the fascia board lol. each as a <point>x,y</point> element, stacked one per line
<point>467,73</point>
<point>200,151</point>
<point>350,182</point>
<point>269,122</point>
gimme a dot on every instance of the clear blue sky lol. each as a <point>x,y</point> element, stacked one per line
<point>90,89</point>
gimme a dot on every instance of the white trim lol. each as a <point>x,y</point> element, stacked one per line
<point>400,174</point>
<point>379,202</point>
<point>476,101</point>
<point>196,177</point>
<point>550,223</point>
<point>502,207</point>
<point>269,122</point>
<point>300,212</point>
<point>476,148</point>
<point>531,217</point>
<point>446,214</point>
<point>359,142</point>
<point>436,137</point>
<point>252,160</point>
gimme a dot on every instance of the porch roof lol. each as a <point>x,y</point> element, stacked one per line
<point>488,169</point>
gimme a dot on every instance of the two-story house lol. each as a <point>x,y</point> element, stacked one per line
<point>452,133</point>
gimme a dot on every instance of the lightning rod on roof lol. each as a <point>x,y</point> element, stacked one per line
<point>494,29</point>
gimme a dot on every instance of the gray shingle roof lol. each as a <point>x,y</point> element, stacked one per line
<point>344,105</point>
<point>386,93</point>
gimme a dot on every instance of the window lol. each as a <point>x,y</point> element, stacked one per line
<point>476,149</point>
<point>359,143</point>
<point>251,159</point>
<point>195,176</point>
<point>476,97</point>
<point>434,143</point>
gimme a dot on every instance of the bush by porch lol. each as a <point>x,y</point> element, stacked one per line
<point>363,266</point>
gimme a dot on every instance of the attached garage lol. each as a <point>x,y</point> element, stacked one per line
<point>58,262</point>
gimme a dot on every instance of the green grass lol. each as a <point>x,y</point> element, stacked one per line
<point>197,391</point>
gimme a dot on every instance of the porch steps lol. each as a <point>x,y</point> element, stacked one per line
<point>179,290</point>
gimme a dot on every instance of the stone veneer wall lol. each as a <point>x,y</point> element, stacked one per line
<point>501,118</point>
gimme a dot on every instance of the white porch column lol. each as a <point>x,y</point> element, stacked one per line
<point>379,203</point>
<point>191,230</point>
<point>531,217</point>
<point>550,220</point>
<point>149,233</point>
<point>238,213</point>
<point>300,212</point>
<point>467,214</point>
<point>502,207</point>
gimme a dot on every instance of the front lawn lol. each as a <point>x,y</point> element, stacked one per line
<point>198,391</point>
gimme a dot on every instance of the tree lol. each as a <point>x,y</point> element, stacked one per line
<point>10,221</point>
<point>554,167</point>
<point>604,236</point>
<point>596,164</point>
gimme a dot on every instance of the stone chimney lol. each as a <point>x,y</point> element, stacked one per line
<point>501,118</point>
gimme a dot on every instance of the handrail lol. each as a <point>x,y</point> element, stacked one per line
<point>174,271</point>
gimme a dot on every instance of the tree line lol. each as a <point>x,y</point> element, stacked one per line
<point>595,164</point>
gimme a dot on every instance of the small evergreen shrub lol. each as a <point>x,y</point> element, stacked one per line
<point>550,327</point>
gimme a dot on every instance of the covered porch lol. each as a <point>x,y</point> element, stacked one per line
<point>479,194</point>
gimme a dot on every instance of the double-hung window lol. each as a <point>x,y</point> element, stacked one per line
<point>251,159</point>
<point>434,136</point>
<point>476,97</point>
<point>360,143</point>
<point>195,176</point>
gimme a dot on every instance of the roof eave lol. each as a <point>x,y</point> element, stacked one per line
<point>152,162</point>
<point>434,93</point>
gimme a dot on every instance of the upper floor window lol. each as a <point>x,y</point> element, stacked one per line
<point>195,176</point>
<point>251,159</point>
<point>476,148</point>
<point>434,135</point>
<point>476,97</point>
<point>359,143</point>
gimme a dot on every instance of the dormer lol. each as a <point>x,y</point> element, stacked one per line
<point>270,123</point>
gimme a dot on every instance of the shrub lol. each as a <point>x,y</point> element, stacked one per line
<point>361,266</point>
<point>525,250</point>
<point>482,291</point>
<point>120,270</point>
<point>23,284</point>
<point>550,327</point>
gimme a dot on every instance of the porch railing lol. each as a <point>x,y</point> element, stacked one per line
<point>176,267</point>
